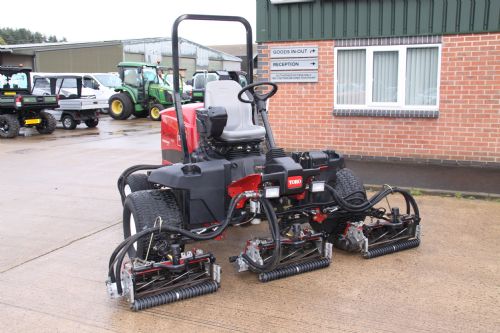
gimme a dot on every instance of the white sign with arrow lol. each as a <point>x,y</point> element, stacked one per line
<point>294,52</point>
<point>293,64</point>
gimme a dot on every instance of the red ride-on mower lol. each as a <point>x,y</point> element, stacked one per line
<point>229,177</point>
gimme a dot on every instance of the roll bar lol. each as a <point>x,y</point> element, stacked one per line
<point>175,60</point>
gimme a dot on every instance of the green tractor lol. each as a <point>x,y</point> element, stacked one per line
<point>143,92</point>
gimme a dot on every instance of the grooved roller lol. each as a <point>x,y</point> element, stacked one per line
<point>206,287</point>
<point>388,249</point>
<point>294,269</point>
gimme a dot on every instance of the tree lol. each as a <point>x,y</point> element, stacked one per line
<point>25,36</point>
<point>2,41</point>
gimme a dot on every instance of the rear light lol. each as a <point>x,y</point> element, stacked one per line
<point>19,101</point>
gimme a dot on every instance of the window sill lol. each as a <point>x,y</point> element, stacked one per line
<point>386,113</point>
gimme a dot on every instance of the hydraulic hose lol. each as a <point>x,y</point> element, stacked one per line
<point>122,249</point>
<point>123,177</point>
<point>274,228</point>
<point>410,201</point>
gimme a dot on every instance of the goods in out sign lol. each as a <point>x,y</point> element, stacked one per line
<point>294,52</point>
<point>294,64</point>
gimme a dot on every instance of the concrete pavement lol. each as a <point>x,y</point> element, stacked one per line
<point>60,219</point>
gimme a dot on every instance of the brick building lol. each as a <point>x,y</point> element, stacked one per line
<point>397,80</point>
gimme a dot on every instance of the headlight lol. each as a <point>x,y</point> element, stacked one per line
<point>317,186</point>
<point>272,192</point>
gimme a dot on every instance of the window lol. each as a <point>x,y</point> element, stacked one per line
<point>131,77</point>
<point>41,86</point>
<point>150,74</point>
<point>201,79</point>
<point>108,80</point>
<point>14,81</point>
<point>387,77</point>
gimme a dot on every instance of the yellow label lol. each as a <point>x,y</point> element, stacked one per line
<point>9,93</point>
<point>32,121</point>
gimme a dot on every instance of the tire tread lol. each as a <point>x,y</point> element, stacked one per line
<point>146,207</point>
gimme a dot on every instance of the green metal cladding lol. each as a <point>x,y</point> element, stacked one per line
<point>342,19</point>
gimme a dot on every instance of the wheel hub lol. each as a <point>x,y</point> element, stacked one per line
<point>155,112</point>
<point>117,107</point>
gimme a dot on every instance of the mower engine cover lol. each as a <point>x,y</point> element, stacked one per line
<point>170,140</point>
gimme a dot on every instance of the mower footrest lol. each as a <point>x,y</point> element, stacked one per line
<point>388,249</point>
<point>206,287</point>
<point>294,269</point>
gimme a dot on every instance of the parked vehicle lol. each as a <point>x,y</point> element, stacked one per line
<point>142,92</point>
<point>103,84</point>
<point>76,105</point>
<point>187,90</point>
<point>226,177</point>
<point>201,78</point>
<point>19,108</point>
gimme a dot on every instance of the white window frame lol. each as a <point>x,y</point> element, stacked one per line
<point>400,104</point>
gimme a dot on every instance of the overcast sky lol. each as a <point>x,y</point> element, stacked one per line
<point>96,20</point>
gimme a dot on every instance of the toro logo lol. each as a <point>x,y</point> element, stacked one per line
<point>295,182</point>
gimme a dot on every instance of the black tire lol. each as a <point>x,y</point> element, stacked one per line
<point>349,187</point>
<point>68,122</point>
<point>137,182</point>
<point>154,112</point>
<point>91,123</point>
<point>145,207</point>
<point>9,126</point>
<point>120,106</point>
<point>140,114</point>
<point>48,124</point>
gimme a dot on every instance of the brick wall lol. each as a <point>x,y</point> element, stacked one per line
<point>467,130</point>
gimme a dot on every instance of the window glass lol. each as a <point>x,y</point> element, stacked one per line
<point>67,82</point>
<point>392,76</point>
<point>243,80</point>
<point>131,77</point>
<point>109,80</point>
<point>199,79</point>
<point>351,76</point>
<point>88,83</point>
<point>421,76</point>
<point>385,76</point>
<point>41,86</point>
<point>150,74</point>
<point>14,81</point>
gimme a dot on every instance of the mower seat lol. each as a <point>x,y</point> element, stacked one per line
<point>239,126</point>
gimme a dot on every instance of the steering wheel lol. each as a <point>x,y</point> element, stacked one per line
<point>255,95</point>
